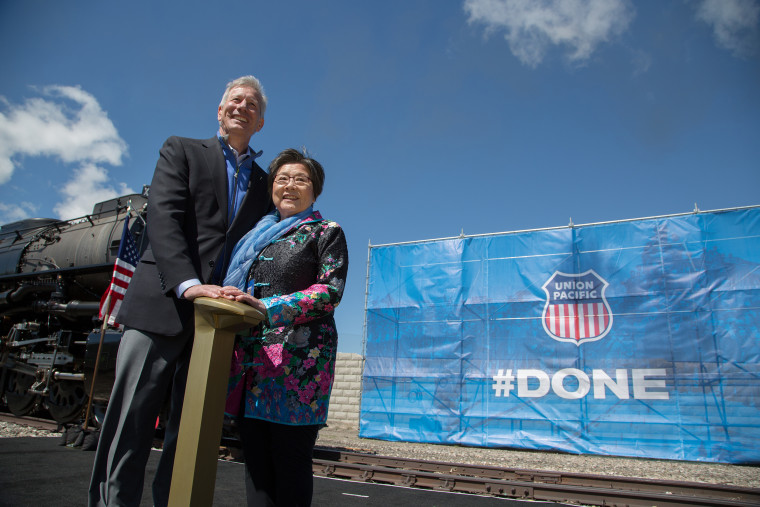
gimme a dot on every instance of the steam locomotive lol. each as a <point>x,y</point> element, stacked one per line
<point>52,276</point>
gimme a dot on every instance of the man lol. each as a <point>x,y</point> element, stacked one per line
<point>205,195</point>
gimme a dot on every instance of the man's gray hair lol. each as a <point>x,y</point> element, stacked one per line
<point>251,82</point>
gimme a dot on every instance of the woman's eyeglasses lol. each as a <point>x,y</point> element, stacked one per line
<point>299,180</point>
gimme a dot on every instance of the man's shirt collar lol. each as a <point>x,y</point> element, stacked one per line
<point>224,139</point>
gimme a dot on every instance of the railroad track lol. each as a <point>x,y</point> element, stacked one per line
<point>34,422</point>
<point>526,484</point>
<point>538,485</point>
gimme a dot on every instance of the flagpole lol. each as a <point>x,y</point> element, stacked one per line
<point>97,359</point>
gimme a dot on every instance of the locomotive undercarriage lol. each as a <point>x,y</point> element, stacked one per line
<point>43,340</point>
<point>43,372</point>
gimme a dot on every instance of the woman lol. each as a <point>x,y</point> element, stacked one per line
<point>292,267</point>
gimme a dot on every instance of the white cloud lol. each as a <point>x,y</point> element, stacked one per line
<point>88,186</point>
<point>734,24</point>
<point>13,212</point>
<point>532,26</point>
<point>67,123</point>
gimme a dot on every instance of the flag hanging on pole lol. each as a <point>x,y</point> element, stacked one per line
<point>124,267</point>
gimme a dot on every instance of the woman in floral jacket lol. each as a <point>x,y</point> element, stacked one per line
<point>292,267</point>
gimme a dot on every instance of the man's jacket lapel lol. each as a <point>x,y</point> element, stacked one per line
<point>218,167</point>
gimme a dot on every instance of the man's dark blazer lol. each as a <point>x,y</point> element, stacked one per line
<point>187,229</point>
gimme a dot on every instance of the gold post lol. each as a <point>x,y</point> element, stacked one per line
<point>200,429</point>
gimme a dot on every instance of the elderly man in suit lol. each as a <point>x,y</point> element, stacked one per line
<point>205,195</point>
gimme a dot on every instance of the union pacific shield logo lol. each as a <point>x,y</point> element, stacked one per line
<point>576,310</point>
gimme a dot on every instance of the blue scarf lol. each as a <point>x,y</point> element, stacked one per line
<point>247,250</point>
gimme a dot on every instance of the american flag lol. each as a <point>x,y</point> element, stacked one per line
<point>124,267</point>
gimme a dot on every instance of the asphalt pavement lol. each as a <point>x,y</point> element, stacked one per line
<point>38,471</point>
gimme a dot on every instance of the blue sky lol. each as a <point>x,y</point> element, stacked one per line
<point>431,117</point>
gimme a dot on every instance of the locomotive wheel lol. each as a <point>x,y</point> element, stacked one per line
<point>19,401</point>
<point>65,400</point>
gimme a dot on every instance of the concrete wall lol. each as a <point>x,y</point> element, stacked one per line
<point>346,392</point>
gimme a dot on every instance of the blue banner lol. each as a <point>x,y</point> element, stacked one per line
<point>637,338</point>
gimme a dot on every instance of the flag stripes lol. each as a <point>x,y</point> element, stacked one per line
<point>577,321</point>
<point>124,267</point>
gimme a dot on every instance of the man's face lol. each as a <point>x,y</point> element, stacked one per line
<point>240,114</point>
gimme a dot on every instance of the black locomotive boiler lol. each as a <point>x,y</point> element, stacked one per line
<point>52,276</point>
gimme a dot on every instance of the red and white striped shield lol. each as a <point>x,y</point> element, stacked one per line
<point>576,310</point>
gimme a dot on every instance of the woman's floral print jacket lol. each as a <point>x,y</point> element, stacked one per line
<point>284,371</point>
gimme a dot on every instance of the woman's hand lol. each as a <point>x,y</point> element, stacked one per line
<point>236,294</point>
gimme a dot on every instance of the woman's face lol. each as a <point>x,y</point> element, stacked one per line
<point>292,191</point>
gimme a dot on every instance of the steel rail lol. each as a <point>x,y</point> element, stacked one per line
<point>528,484</point>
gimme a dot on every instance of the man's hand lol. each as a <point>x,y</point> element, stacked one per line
<point>211,291</point>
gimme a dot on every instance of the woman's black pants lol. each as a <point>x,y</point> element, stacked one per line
<point>278,463</point>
